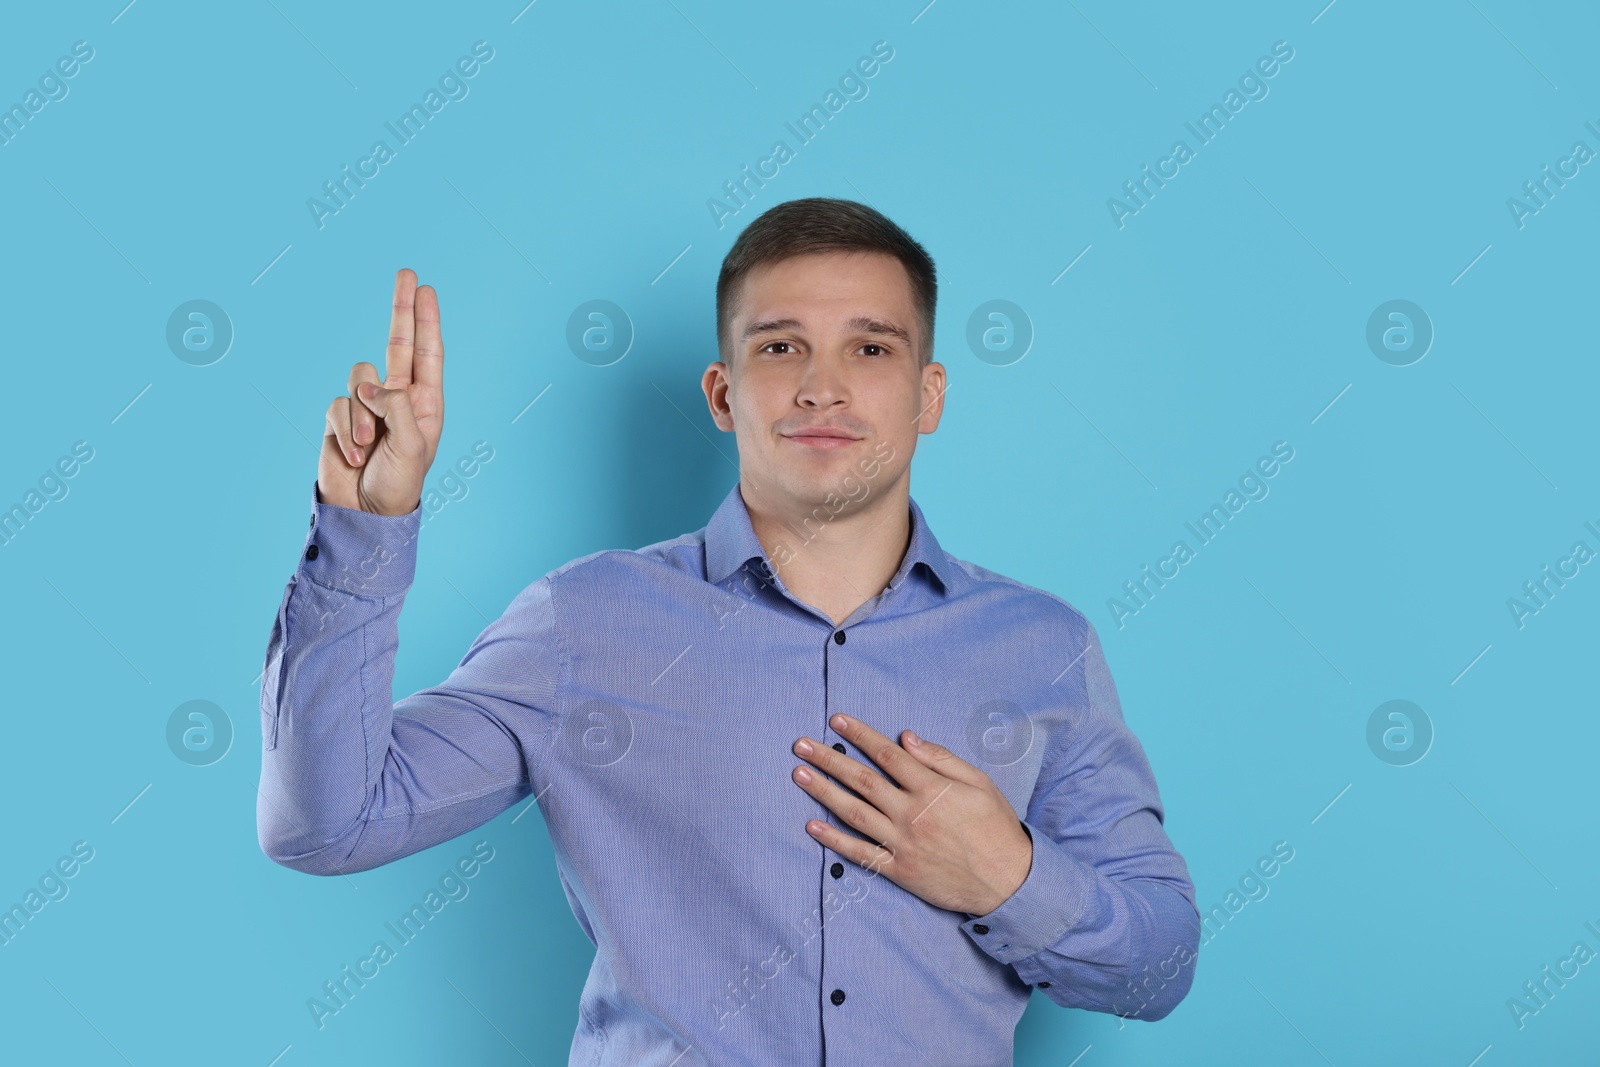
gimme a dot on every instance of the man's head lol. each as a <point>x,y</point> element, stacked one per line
<point>825,316</point>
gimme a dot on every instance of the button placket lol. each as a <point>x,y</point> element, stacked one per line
<point>835,868</point>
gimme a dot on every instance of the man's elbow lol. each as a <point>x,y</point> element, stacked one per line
<point>1170,996</point>
<point>280,848</point>
<point>1156,995</point>
<point>1173,968</point>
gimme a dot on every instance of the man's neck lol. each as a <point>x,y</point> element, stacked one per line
<point>835,563</point>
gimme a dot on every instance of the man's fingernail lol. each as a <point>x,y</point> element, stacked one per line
<point>367,390</point>
<point>912,739</point>
<point>841,721</point>
<point>803,747</point>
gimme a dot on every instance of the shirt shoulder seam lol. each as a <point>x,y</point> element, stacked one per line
<point>996,578</point>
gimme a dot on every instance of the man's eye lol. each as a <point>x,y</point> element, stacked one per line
<point>880,348</point>
<point>769,344</point>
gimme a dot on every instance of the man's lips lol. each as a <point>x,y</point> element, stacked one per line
<point>822,437</point>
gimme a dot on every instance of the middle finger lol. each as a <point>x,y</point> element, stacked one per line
<point>854,775</point>
<point>856,812</point>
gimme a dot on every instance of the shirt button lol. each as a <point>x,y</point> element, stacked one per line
<point>311,552</point>
<point>313,518</point>
<point>837,996</point>
<point>838,746</point>
<point>979,928</point>
<point>837,870</point>
<point>1044,985</point>
<point>838,637</point>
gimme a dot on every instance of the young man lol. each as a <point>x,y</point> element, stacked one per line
<point>819,792</point>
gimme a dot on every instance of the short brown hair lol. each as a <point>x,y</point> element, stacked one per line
<point>824,224</point>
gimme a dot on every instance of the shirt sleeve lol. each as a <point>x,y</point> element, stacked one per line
<point>1106,919</point>
<point>350,779</point>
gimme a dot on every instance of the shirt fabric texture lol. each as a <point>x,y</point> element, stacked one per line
<point>648,699</point>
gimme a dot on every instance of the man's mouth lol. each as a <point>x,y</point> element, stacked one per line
<point>822,437</point>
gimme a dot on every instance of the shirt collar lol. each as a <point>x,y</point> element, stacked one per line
<point>731,542</point>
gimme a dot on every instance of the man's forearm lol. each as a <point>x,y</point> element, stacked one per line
<point>326,696</point>
<point>331,717</point>
<point>1126,947</point>
<point>350,777</point>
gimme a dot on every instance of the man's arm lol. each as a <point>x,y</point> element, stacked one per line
<point>1105,919</point>
<point>349,780</point>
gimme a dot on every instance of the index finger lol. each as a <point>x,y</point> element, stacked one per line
<point>429,343</point>
<point>883,751</point>
<point>402,329</point>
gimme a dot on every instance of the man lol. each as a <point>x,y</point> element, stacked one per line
<point>819,792</point>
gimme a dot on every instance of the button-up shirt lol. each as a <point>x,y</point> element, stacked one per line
<point>648,700</point>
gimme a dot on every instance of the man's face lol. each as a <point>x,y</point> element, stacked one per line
<point>826,340</point>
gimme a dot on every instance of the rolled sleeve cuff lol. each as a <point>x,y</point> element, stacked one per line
<point>1047,903</point>
<point>358,552</point>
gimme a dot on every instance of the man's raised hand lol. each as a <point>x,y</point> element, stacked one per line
<point>381,438</point>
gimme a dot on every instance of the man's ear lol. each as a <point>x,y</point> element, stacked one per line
<point>716,383</point>
<point>933,389</point>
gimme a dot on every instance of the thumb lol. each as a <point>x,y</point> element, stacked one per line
<point>393,406</point>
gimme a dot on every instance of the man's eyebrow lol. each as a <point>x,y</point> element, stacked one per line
<point>870,325</point>
<point>864,323</point>
<point>769,326</point>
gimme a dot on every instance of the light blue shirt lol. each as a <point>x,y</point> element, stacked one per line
<point>648,699</point>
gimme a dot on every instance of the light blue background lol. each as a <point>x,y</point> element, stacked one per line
<point>1225,316</point>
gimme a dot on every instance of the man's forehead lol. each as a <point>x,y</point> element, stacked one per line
<point>784,291</point>
<point>828,265</point>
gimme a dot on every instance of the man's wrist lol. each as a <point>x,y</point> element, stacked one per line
<point>359,552</point>
<point>1020,870</point>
